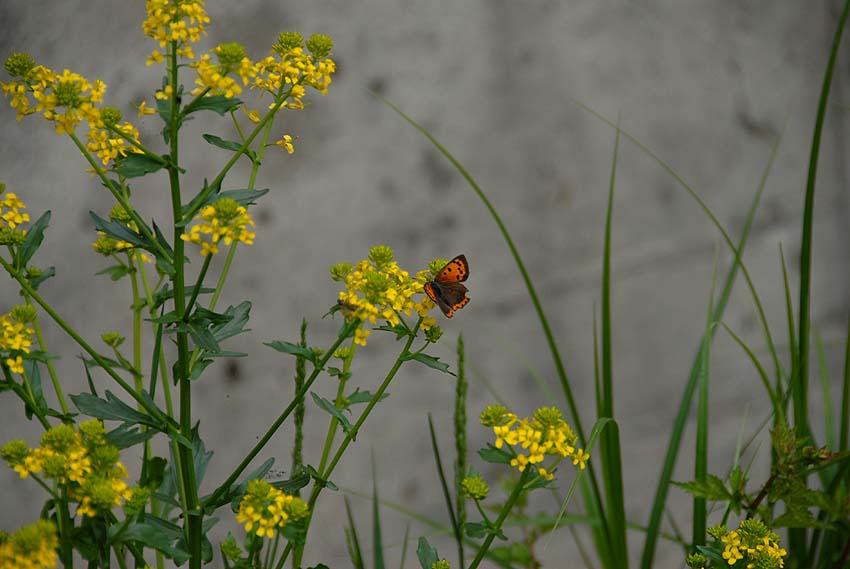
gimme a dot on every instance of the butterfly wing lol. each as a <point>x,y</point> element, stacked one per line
<point>449,296</point>
<point>455,271</point>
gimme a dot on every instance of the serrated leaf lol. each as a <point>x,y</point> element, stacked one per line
<point>363,397</point>
<point>430,361</point>
<point>329,407</point>
<point>35,235</point>
<point>112,409</point>
<point>244,197</point>
<point>237,317</point>
<point>203,338</point>
<point>136,165</point>
<point>495,455</point>
<point>115,272</point>
<point>426,553</point>
<point>712,488</point>
<point>294,349</point>
<point>314,474</point>
<point>399,330</point>
<point>216,103</point>
<point>293,484</point>
<point>125,436</point>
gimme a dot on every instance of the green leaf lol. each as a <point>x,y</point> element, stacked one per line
<point>430,361</point>
<point>216,103</point>
<point>294,349</point>
<point>363,397</point>
<point>45,274</point>
<point>229,145</point>
<point>336,372</point>
<point>136,165</point>
<point>426,553</point>
<point>293,484</point>
<point>712,488</point>
<point>35,235</point>
<point>244,197</point>
<point>118,230</point>
<point>154,473</point>
<point>495,455</point>
<point>329,407</point>
<point>237,317</point>
<point>400,330</point>
<point>115,272</point>
<point>31,369</point>
<point>112,409</point>
<point>481,529</point>
<point>150,535</point>
<point>323,482</point>
<point>125,436</point>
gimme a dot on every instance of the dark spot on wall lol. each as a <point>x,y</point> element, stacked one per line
<point>377,85</point>
<point>388,189</point>
<point>232,371</point>
<point>264,216</point>
<point>445,222</point>
<point>410,490</point>
<point>438,172</point>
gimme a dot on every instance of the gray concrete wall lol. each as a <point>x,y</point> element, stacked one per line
<point>706,85</point>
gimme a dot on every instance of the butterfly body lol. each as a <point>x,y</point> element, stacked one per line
<point>446,289</point>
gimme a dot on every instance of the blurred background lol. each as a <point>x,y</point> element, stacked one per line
<point>708,86</point>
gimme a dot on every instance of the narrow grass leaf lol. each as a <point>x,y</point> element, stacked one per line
<point>351,539</point>
<point>377,539</point>
<point>447,496</point>
<point>845,392</point>
<point>826,395</point>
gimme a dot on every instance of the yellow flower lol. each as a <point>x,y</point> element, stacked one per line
<point>264,509</point>
<point>224,220</point>
<point>286,142</point>
<point>31,547</point>
<point>144,109</point>
<point>182,21</point>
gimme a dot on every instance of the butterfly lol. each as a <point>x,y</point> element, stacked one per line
<point>446,289</point>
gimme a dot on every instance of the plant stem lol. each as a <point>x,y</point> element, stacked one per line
<point>482,551</point>
<point>51,369</point>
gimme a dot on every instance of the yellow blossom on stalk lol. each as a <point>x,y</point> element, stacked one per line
<point>264,509</point>
<point>181,21</point>
<point>225,219</point>
<point>10,210</point>
<point>31,547</point>
<point>752,543</point>
<point>533,439</point>
<point>286,142</point>
<point>65,99</point>
<point>16,336</point>
<point>144,109</point>
<point>291,68</point>
<point>80,460</point>
<point>107,144</point>
<point>376,289</point>
<point>214,76</point>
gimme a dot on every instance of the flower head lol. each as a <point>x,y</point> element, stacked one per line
<point>224,220</point>
<point>181,21</point>
<point>376,289</point>
<point>752,543</point>
<point>264,509</point>
<point>31,547</point>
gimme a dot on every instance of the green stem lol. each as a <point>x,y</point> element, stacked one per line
<point>340,394</point>
<point>187,467</point>
<point>199,282</point>
<point>51,369</point>
<point>506,509</point>
<point>320,366</point>
<point>352,433</point>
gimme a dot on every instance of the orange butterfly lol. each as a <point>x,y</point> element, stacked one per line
<point>446,289</point>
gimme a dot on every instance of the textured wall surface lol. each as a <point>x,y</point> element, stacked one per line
<point>707,85</point>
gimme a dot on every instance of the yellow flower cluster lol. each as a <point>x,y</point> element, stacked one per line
<point>546,433</point>
<point>108,145</point>
<point>225,219</point>
<point>292,67</point>
<point>67,99</point>
<point>16,336</point>
<point>10,211</point>
<point>31,547</point>
<point>79,460</point>
<point>377,288</point>
<point>752,543</point>
<point>181,21</point>
<point>264,509</point>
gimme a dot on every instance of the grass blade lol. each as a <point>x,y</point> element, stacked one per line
<point>609,442</point>
<point>799,383</point>
<point>354,551</point>
<point>701,443</point>
<point>460,443</point>
<point>845,393</point>
<point>823,375</point>
<point>456,529</point>
<point>377,539</point>
<point>596,506</point>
